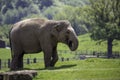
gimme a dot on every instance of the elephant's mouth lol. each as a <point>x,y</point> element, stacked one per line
<point>70,43</point>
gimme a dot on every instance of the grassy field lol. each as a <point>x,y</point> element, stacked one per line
<point>89,69</point>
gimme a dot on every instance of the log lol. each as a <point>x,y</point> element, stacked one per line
<point>18,75</point>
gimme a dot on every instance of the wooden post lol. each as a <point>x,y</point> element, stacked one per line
<point>62,58</point>
<point>34,60</point>
<point>67,59</point>
<point>0,64</point>
<point>98,55</point>
<point>8,63</point>
<point>28,61</point>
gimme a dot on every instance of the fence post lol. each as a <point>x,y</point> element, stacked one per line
<point>67,59</point>
<point>0,64</point>
<point>62,58</point>
<point>8,63</point>
<point>34,60</point>
<point>28,61</point>
<point>98,55</point>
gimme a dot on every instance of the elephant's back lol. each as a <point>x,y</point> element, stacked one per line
<point>27,26</point>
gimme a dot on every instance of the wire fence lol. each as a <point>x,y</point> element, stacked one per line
<point>5,63</point>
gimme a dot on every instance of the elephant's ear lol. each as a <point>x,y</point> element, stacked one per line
<point>56,29</point>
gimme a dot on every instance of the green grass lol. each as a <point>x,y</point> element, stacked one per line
<point>5,53</point>
<point>89,69</point>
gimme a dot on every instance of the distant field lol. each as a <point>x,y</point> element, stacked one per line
<point>85,45</point>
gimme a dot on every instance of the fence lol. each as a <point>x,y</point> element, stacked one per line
<point>116,54</point>
<point>5,63</point>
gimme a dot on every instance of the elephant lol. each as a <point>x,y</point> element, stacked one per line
<point>35,35</point>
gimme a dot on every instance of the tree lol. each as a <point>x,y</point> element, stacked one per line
<point>46,3</point>
<point>74,15</point>
<point>106,24</point>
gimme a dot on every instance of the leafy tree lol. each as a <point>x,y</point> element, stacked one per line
<point>23,3</point>
<point>46,3</point>
<point>75,16</point>
<point>106,24</point>
<point>51,12</point>
<point>4,33</point>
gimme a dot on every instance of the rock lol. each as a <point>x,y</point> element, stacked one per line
<point>82,57</point>
<point>18,75</point>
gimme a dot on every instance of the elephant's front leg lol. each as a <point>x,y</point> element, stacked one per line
<point>47,58</point>
<point>54,58</point>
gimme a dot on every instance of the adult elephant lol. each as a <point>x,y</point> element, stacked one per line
<point>35,35</point>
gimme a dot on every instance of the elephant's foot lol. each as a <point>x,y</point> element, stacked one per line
<point>15,68</point>
<point>49,68</point>
<point>52,64</point>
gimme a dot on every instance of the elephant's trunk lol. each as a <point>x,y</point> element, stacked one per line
<point>73,43</point>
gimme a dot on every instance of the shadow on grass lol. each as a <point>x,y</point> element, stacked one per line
<point>65,66</point>
<point>53,68</point>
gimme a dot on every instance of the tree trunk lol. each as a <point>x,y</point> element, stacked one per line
<point>109,49</point>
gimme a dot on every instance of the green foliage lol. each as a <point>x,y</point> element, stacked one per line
<point>14,10</point>
<point>106,19</point>
<point>5,53</point>
<point>4,33</point>
<point>74,15</point>
<point>51,12</point>
<point>46,3</point>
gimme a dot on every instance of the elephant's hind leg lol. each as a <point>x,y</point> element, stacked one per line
<point>20,62</point>
<point>17,62</point>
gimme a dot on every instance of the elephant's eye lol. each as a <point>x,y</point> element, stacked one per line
<point>68,32</point>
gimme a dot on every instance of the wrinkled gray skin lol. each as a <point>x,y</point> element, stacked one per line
<point>36,35</point>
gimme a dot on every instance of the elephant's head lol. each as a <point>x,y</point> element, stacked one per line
<point>63,32</point>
